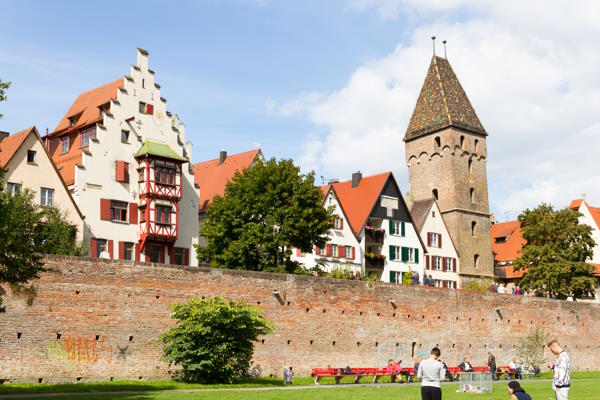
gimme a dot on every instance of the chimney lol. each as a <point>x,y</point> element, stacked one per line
<point>356,177</point>
<point>222,156</point>
<point>3,135</point>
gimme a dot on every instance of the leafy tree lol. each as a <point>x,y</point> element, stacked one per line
<point>20,260</point>
<point>407,277</point>
<point>54,235</point>
<point>265,212</point>
<point>213,339</point>
<point>554,257</point>
<point>530,349</point>
<point>3,87</point>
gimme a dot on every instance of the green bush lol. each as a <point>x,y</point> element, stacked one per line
<point>213,339</point>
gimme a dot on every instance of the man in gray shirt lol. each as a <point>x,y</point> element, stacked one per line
<point>431,373</point>
<point>561,383</point>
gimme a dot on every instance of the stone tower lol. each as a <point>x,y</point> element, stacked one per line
<point>446,156</point>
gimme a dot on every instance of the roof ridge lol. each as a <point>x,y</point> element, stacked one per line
<point>442,90</point>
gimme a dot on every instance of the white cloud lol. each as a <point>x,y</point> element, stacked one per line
<point>530,71</point>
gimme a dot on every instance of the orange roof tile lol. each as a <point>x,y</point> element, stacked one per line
<point>10,145</point>
<point>510,249</point>
<point>575,204</point>
<point>595,211</point>
<point>87,104</point>
<point>508,272</point>
<point>596,269</point>
<point>358,202</point>
<point>212,177</point>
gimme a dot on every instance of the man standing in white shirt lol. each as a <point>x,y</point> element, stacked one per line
<point>104,253</point>
<point>561,383</point>
<point>432,373</point>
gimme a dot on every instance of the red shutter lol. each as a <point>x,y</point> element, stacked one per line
<point>110,249</point>
<point>121,250</point>
<point>125,172</point>
<point>353,256</point>
<point>186,256</point>
<point>162,254</point>
<point>133,213</point>
<point>317,250</point>
<point>328,250</point>
<point>427,257</point>
<point>93,248</point>
<point>137,252</point>
<point>440,240</point>
<point>119,171</point>
<point>149,109</point>
<point>172,255</point>
<point>298,252</point>
<point>105,209</point>
<point>454,265</point>
<point>341,223</point>
<point>428,239</point>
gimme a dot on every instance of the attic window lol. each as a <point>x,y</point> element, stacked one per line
<point>73,120</point>
<point>389,203</point>
<point>501,239</point>
<point>434,192</point>
<point>438,143</point>
<point>104,108</point>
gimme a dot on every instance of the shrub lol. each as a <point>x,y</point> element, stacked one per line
<point>213,339</point>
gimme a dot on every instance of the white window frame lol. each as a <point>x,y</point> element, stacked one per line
<point>433,239</point>
<point>13,188</point>
<point>448,264</point>
<point>336,222</point>
<point>348,251</point>
<point>128,247</point>
<point>397,228</point>
<point>411,255</point>
<point>45,200</point>
<point>334,250</point>
<point>437,263</point>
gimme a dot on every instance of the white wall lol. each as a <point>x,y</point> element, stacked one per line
<point>588,219</point>
<point>411,240</point>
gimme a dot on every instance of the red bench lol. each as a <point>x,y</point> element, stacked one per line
<point>507,371</point>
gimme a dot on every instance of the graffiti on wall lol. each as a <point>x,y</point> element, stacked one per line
<point>81,350</point>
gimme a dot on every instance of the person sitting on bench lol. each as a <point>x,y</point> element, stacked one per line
<point>515,369</point>
<point>465,366</point>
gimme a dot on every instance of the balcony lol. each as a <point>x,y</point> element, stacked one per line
<point>374,234</point>
<point>374,260</point>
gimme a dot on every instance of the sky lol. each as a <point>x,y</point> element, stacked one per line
<point>332,84</point>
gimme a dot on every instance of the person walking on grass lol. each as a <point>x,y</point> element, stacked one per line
<point>561,382</point>
<point>517,392</point>
<point>432,373</point>
<point>492,364</point>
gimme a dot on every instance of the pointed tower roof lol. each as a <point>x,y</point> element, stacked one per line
<point>442,103</point>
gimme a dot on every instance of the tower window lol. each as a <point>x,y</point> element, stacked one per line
<point>434,192</point>
<point>472,195</point>
<point>438,143</point>
<point>470,165</point>
<point>476,260</point>
<point>476,146</point>
<point>473,228</point>
<point>462,141</point>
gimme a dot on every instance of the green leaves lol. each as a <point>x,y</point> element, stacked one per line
<point>3,87</point>
<point>213,339</point>
<point>265,212</point>
<point>556,253</point>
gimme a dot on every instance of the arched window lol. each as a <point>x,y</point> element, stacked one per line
<point>473,228</point>
<point>476,146</point>
<point>434,192</point>
<point>438,143</point>
<point>462,141</point>
<point>472,195</point>
<point>470,165</point>
<point>476,260</point>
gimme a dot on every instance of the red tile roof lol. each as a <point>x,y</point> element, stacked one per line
<point>212,177</point>
<point>358,202</point>
<point>10,145</point>
<point>594,211</point>
<point>510,249</point>
<point>575,204</point>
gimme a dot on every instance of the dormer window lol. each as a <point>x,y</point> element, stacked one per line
<point>73,120</point>
<point>104,108</point>
<point>501,239</point>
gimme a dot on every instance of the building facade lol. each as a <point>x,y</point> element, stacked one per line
<point>446,156</point>
<point>372,232</point>
<point>441,260</point>
<point>125,160</point>
<point>27,165</point>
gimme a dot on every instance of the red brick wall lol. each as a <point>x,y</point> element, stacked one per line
<point>99,319</point>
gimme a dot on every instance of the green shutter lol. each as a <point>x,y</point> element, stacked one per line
<point>416,256</point>
<point>392,276</point>
<point>403,229</point>
<point>392,227</point>
<point>405,254</point>
<point>392,253</point>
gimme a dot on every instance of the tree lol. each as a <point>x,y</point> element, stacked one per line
<point>554,257</point>
<point>265,212</point>
<point>54,235</point>
<point>3,87</point>
<point>20,260</point>
<point>213,339</point>
<point>530,349</point>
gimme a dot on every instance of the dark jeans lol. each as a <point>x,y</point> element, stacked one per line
<point>493,371</point>
<point>431,393</point>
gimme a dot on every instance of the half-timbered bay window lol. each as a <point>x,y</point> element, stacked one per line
<point>165,176</point>
<point>87,134</point>
<point>163,215</point>
<point>118,211</point>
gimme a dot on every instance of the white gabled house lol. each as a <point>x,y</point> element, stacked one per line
<point>441,260</point>
<point>373,230</point>
<point>591,217</point>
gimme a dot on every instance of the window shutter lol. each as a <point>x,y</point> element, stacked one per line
<point>428,239</point>
<point>392,255</point>
<point>119,171</point>
<point>353,255</point>
<point>297,252</point>
<point>454,284</point>
<point>341,223</point>
<point>404,254</point>
<point>416,256</point>
<point>93,248</point>
<point>125,172</point>
<point>105,209</point>
<point>328,250</point>
<point>137,252</point>
<point>149,109</point>
<point>186,256</point>
<point>392,276</point>
<point>403,228</point>
<point>317,250</point>
<point>427,261</point>
<point>440,240</point>
<point>392,227</point>
<point>172,254</point>
<point>121,250</point>
<point>133,213</point>
<point>454,265</point>
<point>110,249</point>
<point>161,254</point>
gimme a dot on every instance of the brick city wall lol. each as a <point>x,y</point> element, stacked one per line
<point>99,320</point>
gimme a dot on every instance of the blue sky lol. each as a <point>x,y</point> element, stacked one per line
<point>332,83</point>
